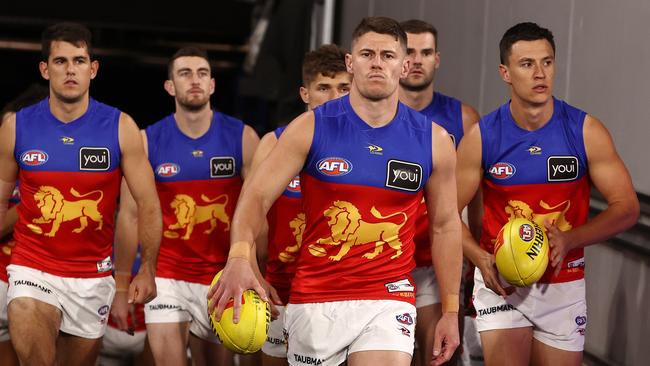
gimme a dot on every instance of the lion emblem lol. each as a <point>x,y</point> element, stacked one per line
<point>348,229</point>
<point>56,209</point>
<point>188,214</point>
<point>555,215</point>
<point>298,227</point>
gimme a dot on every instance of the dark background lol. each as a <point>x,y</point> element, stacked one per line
<point>133,40</point>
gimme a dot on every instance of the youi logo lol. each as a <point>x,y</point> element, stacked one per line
<point>334,166</point>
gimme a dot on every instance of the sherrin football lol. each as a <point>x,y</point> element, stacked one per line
<point>521,252</point>
<point>249,334</point>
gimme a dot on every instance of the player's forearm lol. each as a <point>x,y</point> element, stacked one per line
<point>615,219</point>
<point>126,242</point>
<point>247,224</point>
<point>149,233</point>
<point>471,249</point>
<point>10,219</point>
<point>447,256</point>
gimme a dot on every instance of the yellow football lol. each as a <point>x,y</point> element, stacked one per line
<point>521,252</point>
<point>249,334</point>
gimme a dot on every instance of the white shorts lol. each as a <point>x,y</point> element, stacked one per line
<point>4,321</point>
<point>427,291</point>
<point>117,343</point>
<point>84,302</point>
<point>325,333</point>
<point>181,301</point>
<point>557,312</point>
<point>276,344</point>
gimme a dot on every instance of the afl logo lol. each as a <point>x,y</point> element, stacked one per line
<point>502,170</point>
<point>294,185</point>
<point>167,170</point>
<point>34,157</point>
<point>334,166</point>
<point>526,232</point>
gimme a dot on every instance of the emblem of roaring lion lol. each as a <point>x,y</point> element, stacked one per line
<point>555,215</point>
<point>188,213</point>
<point>348,229</point>
<point>56,209</point>
<point>298,227</point>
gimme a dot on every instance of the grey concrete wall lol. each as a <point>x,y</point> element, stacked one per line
<point>603,56</point>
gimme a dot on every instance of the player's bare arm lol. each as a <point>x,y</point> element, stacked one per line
<point>266,184</point>
<point>446,250</point>
<point>475,206</point>
<point>250,141</point>
<point>468,175</point>
<point>612,179</point>
<point>9,169</point>
<point>140,180</point>
<point>125,248</point>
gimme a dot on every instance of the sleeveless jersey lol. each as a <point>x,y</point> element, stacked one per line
<point>198,182</point>
<point>361,189</point>
<point>446,112</point>
<point>539,175</point>
<point>8,243</point>
<point>286,227</point>
<point>69,182</point>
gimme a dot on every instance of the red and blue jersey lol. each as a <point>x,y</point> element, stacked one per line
<point>446,112</point>
<point>286,228</point>
<point>361,190</point>
<point>198,182</point>
<point>69,182</point>
<point>539,175</point>
<point>8,243</point>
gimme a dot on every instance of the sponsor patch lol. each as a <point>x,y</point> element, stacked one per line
<point>403,175</point>
<point>562,168</point>
<point>535,150</point>
<point>334,166</point>
<point>405,331</point>
<point>67,140</point>
<point>400,286</point>
<point>375,149</point>
<point>94,158</point>
<point>580,262</point>
<point>405,318</point>
<point>222,166</point>
<point>34,157</point>
<point>103,310</point>
<point>307,360</point>
<point>167,170</point>
<point>104,265</point>
<point>294,185</point>
<point>581,320</point>
<point>495,309</point>
<point>502,170</point>
<point>526,232</point>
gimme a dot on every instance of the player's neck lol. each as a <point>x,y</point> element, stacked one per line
<point>194,124</point>
<point>531,116</point>
<point>376,113</point>
<point>68,112</point>
<point>416,99</point>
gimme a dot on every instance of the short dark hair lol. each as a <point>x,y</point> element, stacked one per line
<point>381,25</point>
<point>328,60</point>
<point>417,26</point>
<point>527,31</point>
<point>189,51</point>
<point>75,33</point>
<point>32,95</point>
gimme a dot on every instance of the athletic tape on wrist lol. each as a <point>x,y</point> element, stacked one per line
<point>450,304</point>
